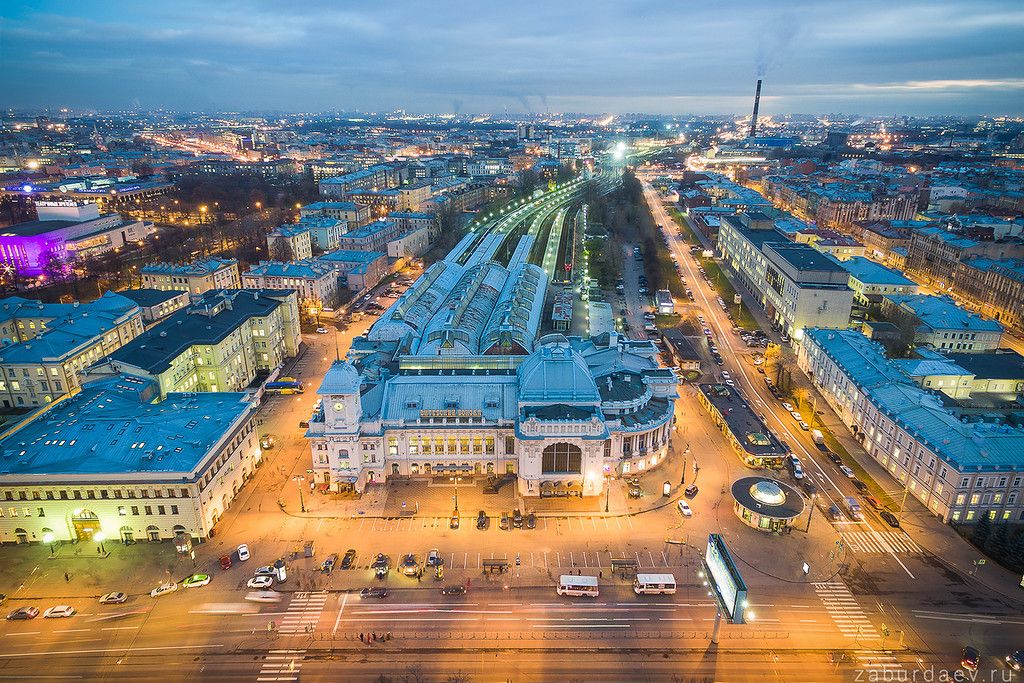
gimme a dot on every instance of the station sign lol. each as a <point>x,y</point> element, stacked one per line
<point>451,413</point>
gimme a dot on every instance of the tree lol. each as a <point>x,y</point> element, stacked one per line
<point>54,266</point>
<point>527,182</point>
<point>998,545</point>
<point>982,530</point>
<point>281,250</point>
<point>1015,556</point>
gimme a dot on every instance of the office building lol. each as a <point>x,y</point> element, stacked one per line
<point>157,304</point>
<point>315,282</point>
<point>870,281</point>
<point>64,232</point>
<point>219,343</point>
<point>796,285</point>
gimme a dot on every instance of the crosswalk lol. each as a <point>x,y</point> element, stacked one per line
<point>849,618</point>
<point>880,542</point>
<point>878,665</point>
<point>303,611</point>
<point>281,665</point>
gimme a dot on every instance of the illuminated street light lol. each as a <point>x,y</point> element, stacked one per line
<point>99,537</point>
<point>48,538</point>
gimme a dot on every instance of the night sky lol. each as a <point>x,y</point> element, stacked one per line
<point>868,57</point>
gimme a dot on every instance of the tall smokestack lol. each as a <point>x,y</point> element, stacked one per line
<point>757,103</point>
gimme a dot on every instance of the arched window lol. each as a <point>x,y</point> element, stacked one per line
<point>562,458</point>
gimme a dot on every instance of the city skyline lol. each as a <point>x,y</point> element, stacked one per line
<point>946,58</point>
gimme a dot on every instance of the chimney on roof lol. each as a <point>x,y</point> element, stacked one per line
<point>757,105</point>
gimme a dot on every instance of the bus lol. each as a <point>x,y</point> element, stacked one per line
<point>654,584</point>
<point>577,585</point>
<point>285,385</point>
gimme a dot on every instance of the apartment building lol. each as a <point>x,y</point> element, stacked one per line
<point>937,321</point>
<point>293,241</point>
<point>315,282</point>
<point>958,470</point>
<point>195,278</point>
<point>45,346</point>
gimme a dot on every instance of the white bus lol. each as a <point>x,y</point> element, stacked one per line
<point>654,584</point>
<point>577,585</point>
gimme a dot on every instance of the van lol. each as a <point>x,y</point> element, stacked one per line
<point>853,510</point>
<point>654,584</point>
<point>577,585</point>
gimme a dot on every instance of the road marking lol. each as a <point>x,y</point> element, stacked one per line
<point>118,628</point>
<point>344,600</point>
<point>109,649</point>
<point>582,625</point>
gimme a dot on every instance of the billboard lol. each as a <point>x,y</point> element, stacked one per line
<point>724,579</point>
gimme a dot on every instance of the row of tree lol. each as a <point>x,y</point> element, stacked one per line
<point>1001,542</point>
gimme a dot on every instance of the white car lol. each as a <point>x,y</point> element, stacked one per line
<point>265,571</point>
<point>243,552</point>
<point>58,612</point>
<point>163,589</point>
<point>804,426</point>
<point>730,383</point>
<point>847,471</point>
<point>797,416</point>
<point>798,471</point>
<point>788,407</point>
<point>725,374</point>
<point>115,598</point>
<point>322,330</point>
<point>684,508</point>
<point>260,582</point>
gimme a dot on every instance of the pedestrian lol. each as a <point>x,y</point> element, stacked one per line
<point>600,575</point>
<point>419,577</point>
<point>67,577</point>
<point>98,551</point>
<point>361,637</point>
<point>389,635</point>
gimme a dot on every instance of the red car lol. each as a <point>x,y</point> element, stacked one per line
<point>225,562</point>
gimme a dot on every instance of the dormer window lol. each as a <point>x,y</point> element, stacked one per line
<point>451,404</point>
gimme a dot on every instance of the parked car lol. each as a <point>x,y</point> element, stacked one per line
<point>873,502</point>
<point>375,592</point>
<point>243,552</point>
<point>847,471</point>
<point>327,566</point>
<point>410,565</point>
<point>481,520</point>
<point>23,613</point>
<point>635,491</point>
<point>684,508</point>
<point>890,519</point>
<point>196,581</point>
<point>265,570</point>
<point>1015,660</point>
<point>796,416</point>
<point>260,582</point>
<point>113,598</point>
<point>690,491</point>
<point>504,523</point>
<point>859,485</point>
<point>453,522</point>
<point>788,407</point>
<point>163,589</point>
<point>517,518</point>
<point>349,559</point>
<point>457,589</point>
<point>59,612</point>
<point>225,562</point>
<point>322,330</point>
<point>804,426</point>
<point>810,488</point>
<point>835,458</point>
<point>531,521</point>
<point>434,558</point>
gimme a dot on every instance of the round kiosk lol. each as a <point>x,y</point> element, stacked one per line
<point>766,504</point>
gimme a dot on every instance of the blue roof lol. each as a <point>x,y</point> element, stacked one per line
<point>352,256</point>
<point>289,230</point>
<point>110,427</point>
<point>336,206</point>
<point>310,269</point>
<point>941,313</point>
<point>916,410</point>
<point>370,229</point>
<point>195,268</point>
<point>867,271</point>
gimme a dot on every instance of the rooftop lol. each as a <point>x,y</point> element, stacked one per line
<point>111,427</point>
<point>147,298</point>
<point>871,273</point>
<point>743,422</point>
<point>196,268</point>
<point>1004,364</point>
<point>941,313</point>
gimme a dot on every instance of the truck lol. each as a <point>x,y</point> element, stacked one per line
<point>818,437</point>
<point>852,508</point>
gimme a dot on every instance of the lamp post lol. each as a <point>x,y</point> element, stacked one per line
<point>456,479</point>
<point>607,490</point>
<point>48,539</point>
<point>300,478</point>
<point>99,537</point>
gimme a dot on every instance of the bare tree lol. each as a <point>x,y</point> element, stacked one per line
<point>281,250</point>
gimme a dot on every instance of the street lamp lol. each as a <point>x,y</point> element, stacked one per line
<point>301,479</point>
<point>99,537</point>
<point>48,538</point>
<point>456,479</point>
